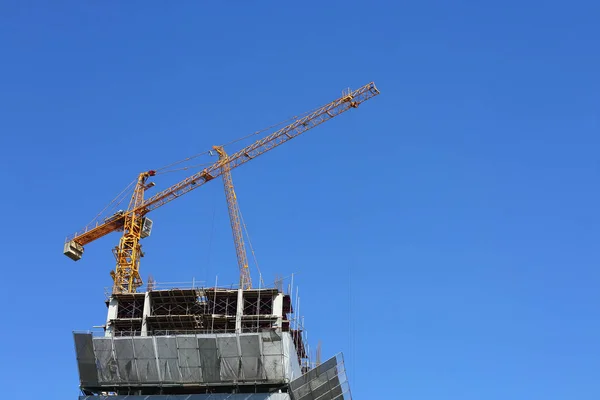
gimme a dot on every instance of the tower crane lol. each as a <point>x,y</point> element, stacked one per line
<point>136,225</point>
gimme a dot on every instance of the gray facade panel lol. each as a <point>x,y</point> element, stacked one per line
<point>209,359</point>
<point>251,362</point>
<point>168,363</point>
<point>145,355</point>
<point>86,361</point>
<point>107,364</point>
<point>189,358</point>
<point>254,396</point>
<point>126,361</point>
<point>183,359</point>
<point>326,382</point>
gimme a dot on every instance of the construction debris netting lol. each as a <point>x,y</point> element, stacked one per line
<point>328,381</point>
<point>266,357</point>
<point>239,396</point>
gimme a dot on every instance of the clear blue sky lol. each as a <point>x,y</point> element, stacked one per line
<point>444,236</point>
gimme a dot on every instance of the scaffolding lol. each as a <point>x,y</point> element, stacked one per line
<point>221,339</point>
<point>206,310</point>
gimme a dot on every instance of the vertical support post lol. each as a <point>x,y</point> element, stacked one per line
<point>113,307</point>
<point>278,309</point>
<point>212,319</point>
<point>239,311</point>
<point>145,314</point>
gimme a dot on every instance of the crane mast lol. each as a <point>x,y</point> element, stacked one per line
<point>234,218</point>
<point>135,225</point>
<point>126,276</point>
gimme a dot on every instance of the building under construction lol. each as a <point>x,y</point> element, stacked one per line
<point>202,343</point>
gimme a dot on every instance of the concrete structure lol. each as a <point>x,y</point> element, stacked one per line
<point>203,344</point>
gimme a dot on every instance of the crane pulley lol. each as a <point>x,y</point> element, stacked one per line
<point>135,225</point>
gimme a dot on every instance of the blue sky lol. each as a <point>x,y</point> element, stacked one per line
<point>444,235</point>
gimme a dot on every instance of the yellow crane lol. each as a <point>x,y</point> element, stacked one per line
<point>136,226</point>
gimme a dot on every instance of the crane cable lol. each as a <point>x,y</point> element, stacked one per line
<point>113,201</point>
<point>274,126</point>
<point>161,169</point>
<point>259,131</point>
<point>251,248</point>
<point>212,233</point>
<point>182,161</point>
<point>183,168</point>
